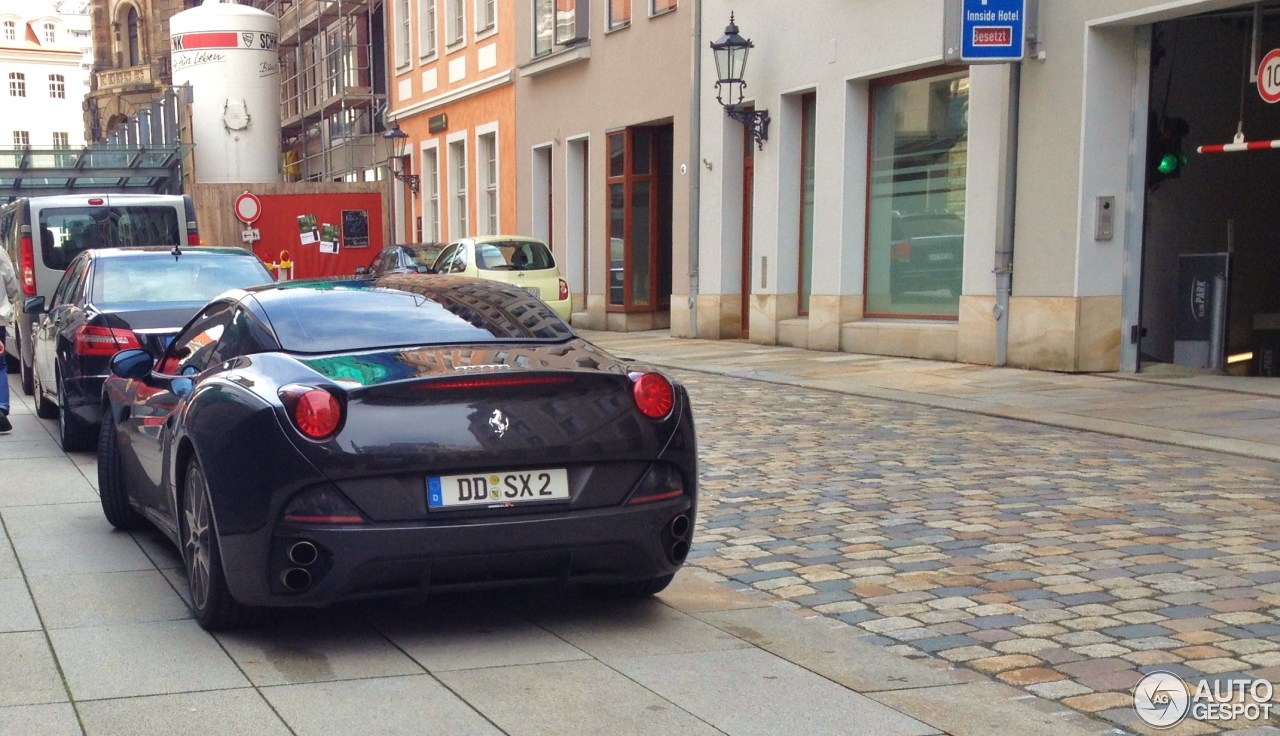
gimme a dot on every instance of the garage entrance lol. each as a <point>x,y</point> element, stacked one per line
<point>1211,214</point>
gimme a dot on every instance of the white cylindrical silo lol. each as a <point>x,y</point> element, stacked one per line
<point>227,53</point>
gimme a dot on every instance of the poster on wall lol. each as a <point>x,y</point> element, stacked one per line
<point>355,228</point>
<point>328,238</point>
<point>307,232</point>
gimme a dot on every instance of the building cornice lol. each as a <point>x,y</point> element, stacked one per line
<point>467,90</point>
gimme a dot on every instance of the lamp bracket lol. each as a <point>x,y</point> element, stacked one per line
<point>757,121</point>
<point>411,179</point>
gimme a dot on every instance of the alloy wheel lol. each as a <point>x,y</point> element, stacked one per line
<point>195,550</point>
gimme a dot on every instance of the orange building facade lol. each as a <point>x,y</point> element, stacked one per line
<point>452,92</point>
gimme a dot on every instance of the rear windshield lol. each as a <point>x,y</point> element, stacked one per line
<point>160,279</point>
<point>67,231</point>
<point>346,319</point>
<point>513,255</point>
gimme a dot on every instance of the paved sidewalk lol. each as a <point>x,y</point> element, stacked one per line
<point>1218,413</point>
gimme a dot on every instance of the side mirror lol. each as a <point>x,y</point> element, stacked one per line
<point>182,387</point>
<point>133,364</point>
<point>33,305</point>
<point>362,271</point>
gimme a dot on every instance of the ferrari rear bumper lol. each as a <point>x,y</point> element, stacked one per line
<point>303,565</point>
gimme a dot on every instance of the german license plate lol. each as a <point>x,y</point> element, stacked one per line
<point>941,256</point>
<point>497,489</point>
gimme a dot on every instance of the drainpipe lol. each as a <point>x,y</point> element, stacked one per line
<point>1004,244</point>
<point>695,166</point>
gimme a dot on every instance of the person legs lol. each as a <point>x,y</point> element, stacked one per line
<point>5,426</point>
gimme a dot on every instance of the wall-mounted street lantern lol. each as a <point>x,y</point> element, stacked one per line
<point>730,52</point>
<point>398,140</point>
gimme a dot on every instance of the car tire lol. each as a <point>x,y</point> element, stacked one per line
<point>45,409</point>
<point>211,599</point>
<point>73,434</point>
<point>633,589</point>
<point>25,371</point>
<point>111,488</point>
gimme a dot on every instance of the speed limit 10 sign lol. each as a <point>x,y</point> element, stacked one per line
<point>1269,77</point>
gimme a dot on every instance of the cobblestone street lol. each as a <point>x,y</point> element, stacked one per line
<point>1065,562</point>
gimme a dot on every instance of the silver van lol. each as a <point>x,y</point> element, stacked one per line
<point>44,234</point>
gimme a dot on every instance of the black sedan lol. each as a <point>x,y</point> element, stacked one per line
<point>315,441</point>
<point>112,299</point>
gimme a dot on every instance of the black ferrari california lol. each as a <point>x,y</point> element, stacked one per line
<point>309,442</point>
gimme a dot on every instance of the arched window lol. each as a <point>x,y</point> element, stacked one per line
<point>134,55</point>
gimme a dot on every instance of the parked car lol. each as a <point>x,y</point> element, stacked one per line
<point>112,299</point>
<point>511,259</point>
<point>927,253</point>
<point>43,235</point>
<point>412,258</point>
<point>465,436</point>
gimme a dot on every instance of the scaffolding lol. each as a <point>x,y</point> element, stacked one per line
<point>331,95</point>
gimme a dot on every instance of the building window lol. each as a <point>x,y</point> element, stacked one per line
<point>134,57</point>
<point>61,140</point>
<point>431,194</point>
<point>638,253</point>
<point>17,84</point>
<point>21,138</point>
<point>572,21</point>
<point>402,33</point>
<point>916,184</point>
<point>808,145</point>
<point>427,28</point>
<point>619,13</point>
<point>10,30</point>
<point>544,24</point>
<point>48,32</point>
<point>486,14</point>
<point>661,6</point>
<point>58,86</point>
<point>487,171</point>
<point>457,21</point>
<point>458,189</point>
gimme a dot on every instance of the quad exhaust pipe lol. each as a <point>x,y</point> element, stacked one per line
<point>296,579</point>
<point>679,529</point>
<point>303,553</point>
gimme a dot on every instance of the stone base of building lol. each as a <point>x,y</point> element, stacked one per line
<point>1068,334</point>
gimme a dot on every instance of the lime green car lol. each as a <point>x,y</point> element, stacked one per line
<point>511,259</point>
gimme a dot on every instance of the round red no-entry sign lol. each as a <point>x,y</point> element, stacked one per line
<point>1269,77</point>
<point>248,208</point>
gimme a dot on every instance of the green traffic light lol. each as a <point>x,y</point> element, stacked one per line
<point>1169,163</point>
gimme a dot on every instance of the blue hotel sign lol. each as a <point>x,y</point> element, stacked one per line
<point>987,30</point>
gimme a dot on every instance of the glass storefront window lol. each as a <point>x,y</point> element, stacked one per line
<point>915,226</point>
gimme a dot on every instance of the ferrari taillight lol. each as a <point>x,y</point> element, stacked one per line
<point>104,341</point>
<point>315,412</point>
<point>28,266</point>
<point>653,394</point>
<point>564,289</point>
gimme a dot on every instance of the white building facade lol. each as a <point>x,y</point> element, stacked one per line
<point>894,189</point>
<point>43,78</point>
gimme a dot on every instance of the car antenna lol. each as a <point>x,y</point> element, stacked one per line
<point>176,252</point>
